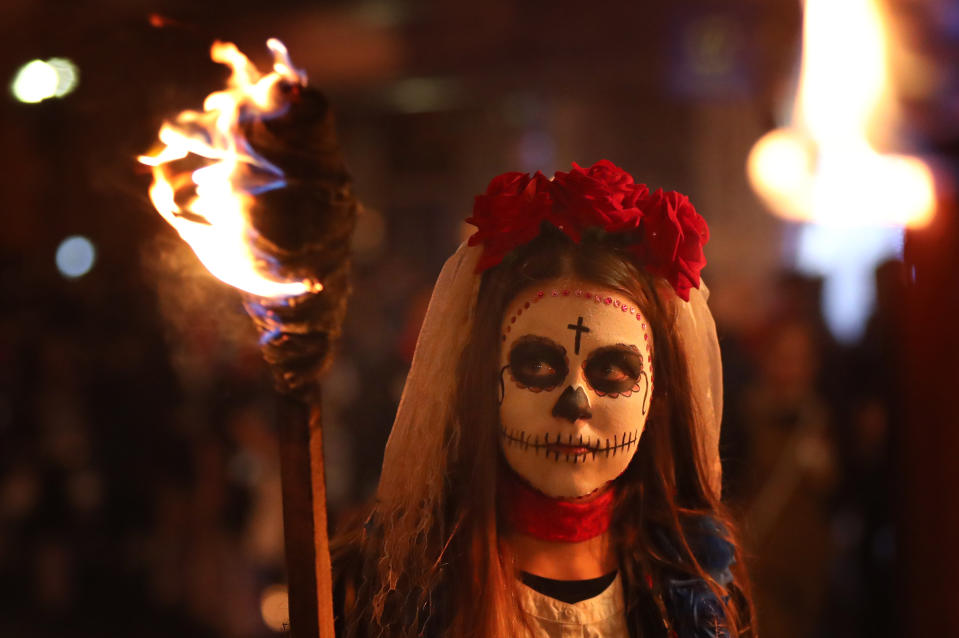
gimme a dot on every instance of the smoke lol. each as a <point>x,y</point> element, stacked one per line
<point>205,325</point>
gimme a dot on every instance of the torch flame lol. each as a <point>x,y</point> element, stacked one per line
<point>215,221</point>
<point>823,168</point>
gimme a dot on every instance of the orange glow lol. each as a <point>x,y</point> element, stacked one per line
<point>823,168</point>
<point>274,608</point>
<point>214,220</point>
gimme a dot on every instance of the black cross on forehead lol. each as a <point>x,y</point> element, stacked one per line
<point>580,329</point>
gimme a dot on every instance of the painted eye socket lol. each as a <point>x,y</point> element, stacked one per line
<point>538,362</point>
<point>613,368</point>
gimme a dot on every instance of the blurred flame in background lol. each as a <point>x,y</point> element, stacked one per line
<point>822,170</point>
<point>214,221</point>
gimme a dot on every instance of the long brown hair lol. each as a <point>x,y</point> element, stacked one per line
<point>463,581</point>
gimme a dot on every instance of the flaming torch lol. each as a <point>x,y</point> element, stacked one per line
<point>255,184</point>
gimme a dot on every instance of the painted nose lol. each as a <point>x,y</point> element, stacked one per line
<point>572,405</point>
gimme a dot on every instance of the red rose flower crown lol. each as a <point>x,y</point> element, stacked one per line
<point>665,233</point>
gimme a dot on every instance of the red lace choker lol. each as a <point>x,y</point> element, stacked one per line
<point>532,512</point>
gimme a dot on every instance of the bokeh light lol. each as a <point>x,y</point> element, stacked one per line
<point>275,607</point>
<point>779,169</point>
<point>75,256</point>
<point>846,257</point>
<point>40,80</point>
<point>68,75</point>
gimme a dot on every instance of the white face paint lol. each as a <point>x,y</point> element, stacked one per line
<point>576,385</point>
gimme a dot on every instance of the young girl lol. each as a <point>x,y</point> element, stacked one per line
<point>553,469</point>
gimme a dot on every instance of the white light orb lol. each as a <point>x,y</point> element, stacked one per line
<point>68,75</point>
<point>75,256</point>
<point>40,80</point>
<point>35,81</point>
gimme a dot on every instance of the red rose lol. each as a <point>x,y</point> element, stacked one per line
<point>603,196</point>
<point>508,184</point>
<point>673,238</point>
<point>619,182</point>
<point>509,214</point>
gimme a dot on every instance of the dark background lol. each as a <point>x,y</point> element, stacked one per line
<point>139,482</point>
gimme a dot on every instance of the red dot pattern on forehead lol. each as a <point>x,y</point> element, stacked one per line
<point>585,294</point>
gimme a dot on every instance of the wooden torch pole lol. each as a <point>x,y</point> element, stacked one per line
<point>304,518</point>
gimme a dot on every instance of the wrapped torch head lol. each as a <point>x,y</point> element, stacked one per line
<point>304,230</point>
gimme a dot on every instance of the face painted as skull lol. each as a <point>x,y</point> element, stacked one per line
<point>576,383</point>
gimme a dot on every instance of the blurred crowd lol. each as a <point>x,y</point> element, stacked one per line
<point>808,437</point>
<point>139,480</point>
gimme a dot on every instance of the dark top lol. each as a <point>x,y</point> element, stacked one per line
<point>568,591</point>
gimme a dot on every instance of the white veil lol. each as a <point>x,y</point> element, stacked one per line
<point>696,329</point>
<point>411,484</point>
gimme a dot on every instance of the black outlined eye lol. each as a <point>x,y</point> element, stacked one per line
<point>538,362</point>
<point>613,373</point>
<point>613,369</point>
